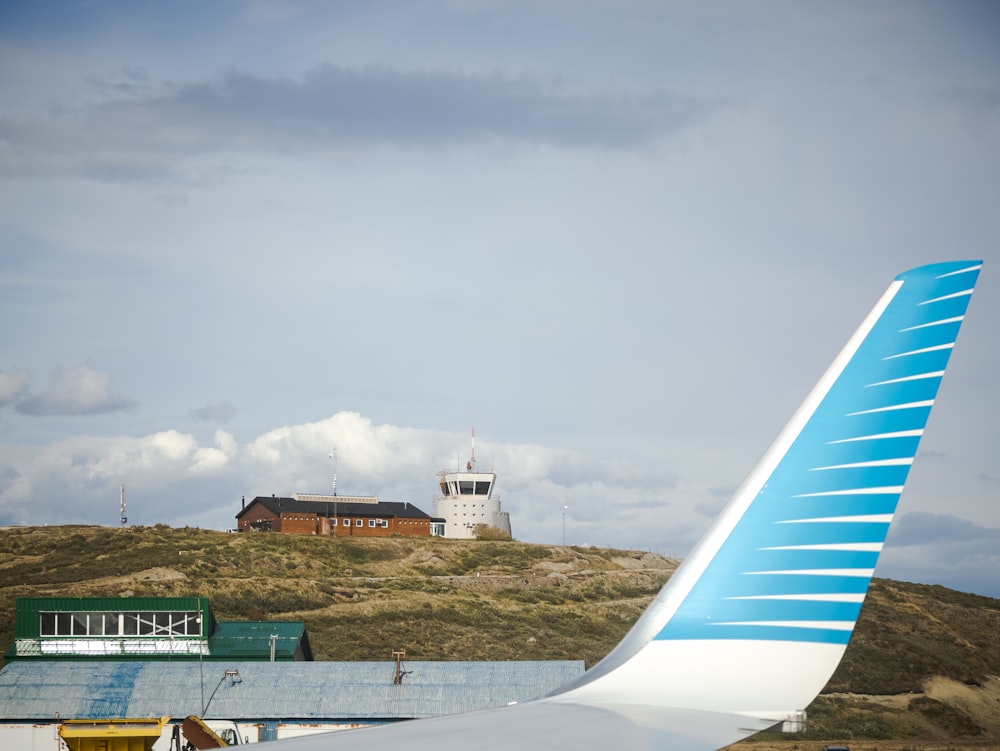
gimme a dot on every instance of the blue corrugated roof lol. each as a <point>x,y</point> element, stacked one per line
<point>350,691</point>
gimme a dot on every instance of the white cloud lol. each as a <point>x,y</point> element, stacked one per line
<point>395,463</point>
<point>72,480</point>
<point>13,385</point>
<point>208,460</point>
<point>76,391</point>
<point>174,480</point>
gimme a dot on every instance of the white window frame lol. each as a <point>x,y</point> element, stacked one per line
<point>128,624</point>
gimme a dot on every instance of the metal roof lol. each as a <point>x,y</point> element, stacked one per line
<point>279,504</point>
<point>252,639</point>
<point>253,690</point>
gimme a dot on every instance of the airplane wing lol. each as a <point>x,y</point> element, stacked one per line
<point>752,625</point>
<point>543,724</point>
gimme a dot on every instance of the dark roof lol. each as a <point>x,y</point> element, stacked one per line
<point>382,509</point>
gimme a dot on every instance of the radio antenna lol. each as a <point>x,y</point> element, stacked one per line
<point>333,455</point>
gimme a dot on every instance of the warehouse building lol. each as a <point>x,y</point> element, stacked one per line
<point>141,657</point>
<point>264,700</point>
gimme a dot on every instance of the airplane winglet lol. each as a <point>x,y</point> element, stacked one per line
<point>758,616</point>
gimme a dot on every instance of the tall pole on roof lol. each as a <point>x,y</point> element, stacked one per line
<point>333,455</point>
<point>123,517</point>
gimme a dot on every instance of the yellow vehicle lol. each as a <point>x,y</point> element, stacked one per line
<point>140,735</point>
<point>112,735</point>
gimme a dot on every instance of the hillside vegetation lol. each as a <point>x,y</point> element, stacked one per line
<point>922,663</point>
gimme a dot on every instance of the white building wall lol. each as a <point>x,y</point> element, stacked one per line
<point>462,514</point>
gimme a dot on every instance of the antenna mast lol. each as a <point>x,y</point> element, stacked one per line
<point>124,518</point>
<point>470,465</point>
<point>333,455</point>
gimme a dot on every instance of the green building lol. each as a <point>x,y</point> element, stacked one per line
<point>146,628</point>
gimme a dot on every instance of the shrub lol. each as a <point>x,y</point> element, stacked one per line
<point>489,532</point>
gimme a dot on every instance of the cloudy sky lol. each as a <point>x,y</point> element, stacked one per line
<point>621,238</point>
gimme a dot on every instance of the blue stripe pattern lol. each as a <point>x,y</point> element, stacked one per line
<point>797,565</point>
<point>113,699</point>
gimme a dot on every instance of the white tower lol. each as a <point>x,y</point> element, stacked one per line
<point>467,501</point>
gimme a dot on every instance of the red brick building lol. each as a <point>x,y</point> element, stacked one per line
<point>341,516</point>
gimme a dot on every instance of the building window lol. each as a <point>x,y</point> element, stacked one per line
<point>371,522</point>
<point>358,522</point>
<point>333,522</point>
<point>384,523</point>
<point>120,624</point>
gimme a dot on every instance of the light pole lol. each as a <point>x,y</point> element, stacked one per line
<point>201,664</point>
<point>564,525</point>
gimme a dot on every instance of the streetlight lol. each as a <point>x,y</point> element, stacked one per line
<point>201,664</point>
<point>564,525</point>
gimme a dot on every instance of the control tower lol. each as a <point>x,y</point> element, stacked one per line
<point>467,501</point>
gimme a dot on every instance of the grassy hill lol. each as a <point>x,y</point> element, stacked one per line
<point>923,662</point>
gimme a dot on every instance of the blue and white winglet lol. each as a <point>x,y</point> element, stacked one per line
<point>754,622</point>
